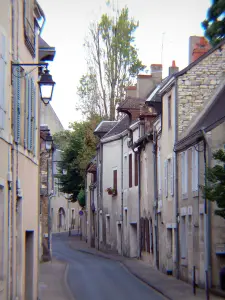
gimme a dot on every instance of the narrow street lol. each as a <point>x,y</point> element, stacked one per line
<point>91,277</point>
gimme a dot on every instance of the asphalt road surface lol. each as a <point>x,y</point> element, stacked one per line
<point>95,278</point>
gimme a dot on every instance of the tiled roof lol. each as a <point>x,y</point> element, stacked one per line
<point>131,103</point>
<point>122,125</point>
<point>105,126</point>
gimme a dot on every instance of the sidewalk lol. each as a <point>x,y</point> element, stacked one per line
<point>169,286</point>
<point>52,284</point>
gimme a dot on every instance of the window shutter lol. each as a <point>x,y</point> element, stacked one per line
<point>2,79</point>
<point>144,234</point>
<point>136,169</point>
<point>33,112</point>
<point>115,179</point>
<point>182,172</point>
<point>130,170</point>
<point>29,116</point>
<point>26,110</point>
<point>166,177</point>
<point>196,169</point>
<point>147,236</point>
<point>16,103</point>
<point>172,169</point>
<point>186,171</point>
<point>159,173</point>
<point>193,168</point>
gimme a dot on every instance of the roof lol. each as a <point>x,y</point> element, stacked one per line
<point>105,126</point>
<point>131,88</point>
<point>121,126</point>
<point>46,52</point>
<point>155,95</point>
<point>209,119</point>
<point>131,103</point>
<point>144,76</point>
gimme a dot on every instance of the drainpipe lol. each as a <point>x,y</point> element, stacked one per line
<point>9,223</point>
<point>139,197</point>
<point>154,150</point>
<point>176,208</point>
<point>207,219</point>
<point>122,196</point>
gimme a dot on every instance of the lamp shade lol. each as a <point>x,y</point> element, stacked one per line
<point>46,85</point>
<point>48,142</point>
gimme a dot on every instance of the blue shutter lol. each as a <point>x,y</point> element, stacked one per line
<point>34,116</point>
<point>2,79</point>
<point>29,116</point>
<point>18,106</point>
<point>26,111</point>
<point>16,103</point>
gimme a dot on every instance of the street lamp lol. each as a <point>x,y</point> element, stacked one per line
<point>46,86</point>
<point>48,142</point>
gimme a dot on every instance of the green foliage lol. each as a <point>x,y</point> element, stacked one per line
<point>112,63</point>
<point>214,25</point>
<point>78,145</point>
<point>214,190</point>
<point>81,198</point>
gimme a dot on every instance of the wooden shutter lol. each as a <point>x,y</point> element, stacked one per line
<point>33,113</point>
<point>26,110</point>
<point>29,117</point>
<point>144,239</point>
<point>186,171</point>
<point>166,177</point>
<point>136,169</point>
<point>2,79</point>
<point>130,170</point>
<point>169,112</point>
<point>159,172</point>
<point>16,103</point>
<point>172,166</point>
<point>115,179</point>
<point>193,168</point>
<point>142,233</point>
<point>147,235</point>
<point>151,237</point>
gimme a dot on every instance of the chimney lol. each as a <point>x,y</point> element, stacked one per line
<point>156,72</point>
<point>198,46</point>
<point>131,91</point>
<point>173,69</point>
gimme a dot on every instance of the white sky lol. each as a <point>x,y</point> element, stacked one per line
<point>67,24</point>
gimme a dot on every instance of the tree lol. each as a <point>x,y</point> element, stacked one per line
<point>78,145</point>
<point>112,64</point>
<point>214,190</point>
<point>214,25</point>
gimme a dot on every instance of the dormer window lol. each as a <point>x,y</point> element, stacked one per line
<point>29,28</point>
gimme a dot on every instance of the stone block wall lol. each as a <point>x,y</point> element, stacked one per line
<point>197,85</point>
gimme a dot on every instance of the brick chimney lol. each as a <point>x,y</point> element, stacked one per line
<point>131,91</point>
<point>156,72</point>
<point>198,46</point>
<point>173,69</point>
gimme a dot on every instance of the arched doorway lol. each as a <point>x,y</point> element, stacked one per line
<point>61,219</point>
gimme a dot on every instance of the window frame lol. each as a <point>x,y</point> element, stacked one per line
<point>130,171</point>
<point>169,112</point>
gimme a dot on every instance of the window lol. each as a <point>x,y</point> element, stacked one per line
<point>130,170</point>
<point>136,169</point>
<point>29,30</point>
<point>16,102</point>
<point>125,173</point>
<point>2,79</point>
<point>184,172</point>
<point>30,123</point>
<point>169,112</point>
<point>183,237</point>
<point>115,180</point>
<point>169,241</point>
<point>171,171</point>
<point>194,169</point>
<point>166,177</point>
<point>159,172</point>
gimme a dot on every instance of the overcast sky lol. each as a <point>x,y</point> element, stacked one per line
<point>67,25</point>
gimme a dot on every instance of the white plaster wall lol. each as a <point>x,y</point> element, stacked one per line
<point>112,205</point>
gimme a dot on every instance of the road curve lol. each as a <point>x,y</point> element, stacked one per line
<point>92,277</point>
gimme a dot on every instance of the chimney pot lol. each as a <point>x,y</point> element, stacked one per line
<point>173,64</point>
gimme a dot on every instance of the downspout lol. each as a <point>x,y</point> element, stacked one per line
<point>154,150</point>
<point>9,223</point>
<point>176,208</point>
<point>207,219</point>
<point>139,197</point>
<point>122,196</point>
